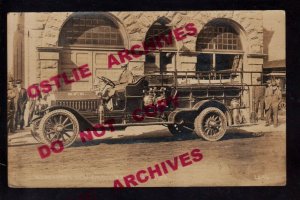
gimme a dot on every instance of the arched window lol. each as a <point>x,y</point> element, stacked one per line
<point>162,60</point>
<point>218,36</point>
<point>91,30</point>
<point>219,47</point>
<point>161,26</point>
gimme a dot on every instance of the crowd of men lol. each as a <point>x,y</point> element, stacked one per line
<point>17,100</point>
<point>268,100</point>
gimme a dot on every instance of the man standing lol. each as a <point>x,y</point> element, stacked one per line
<point>10,107</point>
<point>32,106</point>
<point>273,97</point>
<point>259,99</point>
<point>20,105</point>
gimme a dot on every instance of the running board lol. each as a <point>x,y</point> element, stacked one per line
<point>141,124</point>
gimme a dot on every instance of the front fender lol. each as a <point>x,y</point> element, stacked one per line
<point>81,119</point>
<point>36,119</point>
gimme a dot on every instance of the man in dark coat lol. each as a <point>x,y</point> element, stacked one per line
<point>21,100</point>
<point>10,107</point>
<point>272,99</point>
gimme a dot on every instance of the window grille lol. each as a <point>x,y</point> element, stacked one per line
<point>218,37</point>
<point>91,30</point>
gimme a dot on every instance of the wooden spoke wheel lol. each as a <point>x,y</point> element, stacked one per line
<point>211,124</point>
<point>282,105</point>
<point>59,125</point>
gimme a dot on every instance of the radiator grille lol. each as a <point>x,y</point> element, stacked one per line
<point>81,105</point>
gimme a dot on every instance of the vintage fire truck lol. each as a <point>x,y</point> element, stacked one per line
<point>207,103</point>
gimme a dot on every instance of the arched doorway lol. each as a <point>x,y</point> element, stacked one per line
<point>219,47</point>
<point>88,38</point>
<point>163,59</point>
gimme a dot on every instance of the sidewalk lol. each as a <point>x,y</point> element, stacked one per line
<point>21,137</point>
<point>260,127</point>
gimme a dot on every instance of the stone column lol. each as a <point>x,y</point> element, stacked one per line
<point>254,64</point>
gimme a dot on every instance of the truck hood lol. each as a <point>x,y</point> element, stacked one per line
<point>80,101</point>
<point>69,96</point>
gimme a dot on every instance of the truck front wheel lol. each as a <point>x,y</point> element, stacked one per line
<point>59,125</point>
<point>211,124</point>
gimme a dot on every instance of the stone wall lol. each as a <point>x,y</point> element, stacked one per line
<point>44,28</point>
<point>136,25</point>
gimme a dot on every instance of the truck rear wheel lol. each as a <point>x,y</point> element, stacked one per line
<point>211,124</point>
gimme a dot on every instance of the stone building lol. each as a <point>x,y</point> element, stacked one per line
<point>55,42</point>
<point>58,42</point>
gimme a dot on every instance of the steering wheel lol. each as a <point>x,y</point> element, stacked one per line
<point>107,81</point>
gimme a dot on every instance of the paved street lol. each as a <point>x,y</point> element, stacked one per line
<point>246,156</point>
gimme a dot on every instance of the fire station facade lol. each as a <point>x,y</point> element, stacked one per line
<point>47,44</point>
<point>58,42</point>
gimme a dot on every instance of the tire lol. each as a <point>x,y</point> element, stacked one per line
<point>58,124</point>
<point>282,105</point>
<point>211,124</point>
<point>179,130</point>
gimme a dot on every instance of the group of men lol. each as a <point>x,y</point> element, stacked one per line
<point>268,100</point>
<point>17,99</point>
<point>16,104</point>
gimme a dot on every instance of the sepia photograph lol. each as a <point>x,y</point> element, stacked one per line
<point>146,99</point>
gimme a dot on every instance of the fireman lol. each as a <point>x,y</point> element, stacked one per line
<point>272,98</point>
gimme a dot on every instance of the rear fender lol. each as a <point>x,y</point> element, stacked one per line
<point>213,103</point>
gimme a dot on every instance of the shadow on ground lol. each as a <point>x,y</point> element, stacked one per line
<point>236,133</point>
<point>165,136</point>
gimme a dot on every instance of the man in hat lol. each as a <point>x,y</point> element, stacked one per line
<point>259,98</point>
<point>125,77</point>
<point>21,100</point>
<point>10,106</point>
<point>272,98</point>
<point>107,92</point>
